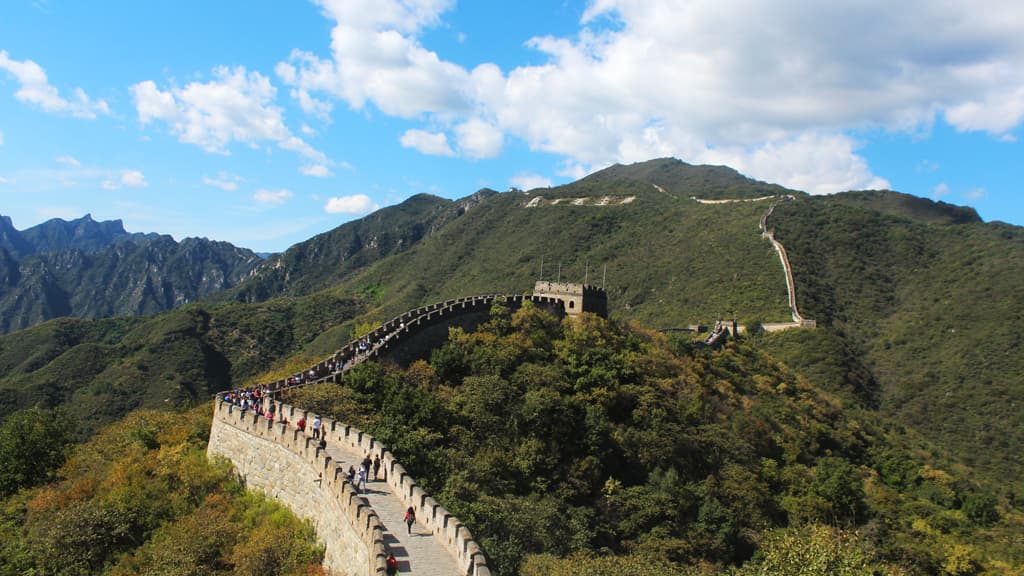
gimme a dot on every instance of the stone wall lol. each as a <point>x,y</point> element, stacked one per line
<point>285,465</point>
<point>446,528</point>
<point>577,298</point>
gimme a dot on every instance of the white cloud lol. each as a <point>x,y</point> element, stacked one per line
<point>942,189</point>
<point>129,178</point>
<point>434,144</point>
<point>997,113</point>
<point>6,180</point>
<point>36,89</point>
<point>276,197</point>
<point>308,131</point>
<point>479,139</point>
<point>68,161</point>
<point>316,170</point>
<point>224,181</point>
<point>1,138</point>
<point>377,58</point>
<point>355,204</point>
<point>530,181</point>
<point>133,179</point>
<point>237,106</point>
<point>815,163</point>
<point>688,78</point>
<point>975,194</point>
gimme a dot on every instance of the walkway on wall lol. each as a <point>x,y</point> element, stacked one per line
<point>798,320</point>
<point>418,553</point>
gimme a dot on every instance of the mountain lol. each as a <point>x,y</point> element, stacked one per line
<point>328,258</point>
<point>83,234</point>
<point>922,296</point>
<point>934,300</point>
<point>665,259</point>
<point>96,269</point>
<point>918,303</point>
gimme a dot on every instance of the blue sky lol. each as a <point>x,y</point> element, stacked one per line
<point>266,122</point>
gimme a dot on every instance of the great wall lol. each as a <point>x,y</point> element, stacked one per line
<point>358,530</point>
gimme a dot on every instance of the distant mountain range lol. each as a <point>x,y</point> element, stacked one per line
<point>93,269</point>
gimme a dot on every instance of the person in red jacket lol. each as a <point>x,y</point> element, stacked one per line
<point>392,564</point>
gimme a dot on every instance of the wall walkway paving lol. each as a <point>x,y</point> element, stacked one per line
<point>417,553</point>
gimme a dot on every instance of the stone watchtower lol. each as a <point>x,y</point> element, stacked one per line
<point>576,298</point>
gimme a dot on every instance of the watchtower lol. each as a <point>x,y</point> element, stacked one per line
<point>576,298</point>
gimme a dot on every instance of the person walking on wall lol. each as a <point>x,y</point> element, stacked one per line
<point>361,479</point>
<point>392,564</point>
<point>316,426</point>
<point>376,467</point>
<point>410,518</point>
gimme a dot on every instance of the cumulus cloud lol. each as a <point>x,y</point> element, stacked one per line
<point>377,58</point>
<point>133,179</point>
<point>530,181</point>
<point>224,181</point>
<point>942,189</point>
<point>479,139</point>
<point>316,170</point>
<point>355,204</point>
<point>36,89</point>
<point>127,178</point>
<point>689,78</point>
<point>275,197</point>
<point>815,163</point>
<point>236,106</point>
<point>431,143</point>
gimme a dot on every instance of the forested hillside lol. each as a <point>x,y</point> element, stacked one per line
<point>936,309</point>
<point>99,370</point>
<point>590,445</point>
<point>140,498</point>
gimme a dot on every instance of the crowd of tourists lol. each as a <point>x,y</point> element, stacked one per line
<point>247,398</point>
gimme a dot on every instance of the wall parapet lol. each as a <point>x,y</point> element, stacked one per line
<point>323,479</point>
<point>446,529</point>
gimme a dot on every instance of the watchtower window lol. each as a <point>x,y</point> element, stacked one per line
<point>572,304</point>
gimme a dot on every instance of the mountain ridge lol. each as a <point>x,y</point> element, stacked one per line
<point>96,269</point>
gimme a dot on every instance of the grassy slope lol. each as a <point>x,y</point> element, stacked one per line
<point>670,261</point>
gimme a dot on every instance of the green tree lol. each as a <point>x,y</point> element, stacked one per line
<point>33,444</point>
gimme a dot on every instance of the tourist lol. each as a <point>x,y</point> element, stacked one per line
<point>301,424</point>
<point>361,480</point>
<point>316,426</point>
<point>392,564</point>
<point>376,467</point>
<point>410,518</point>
